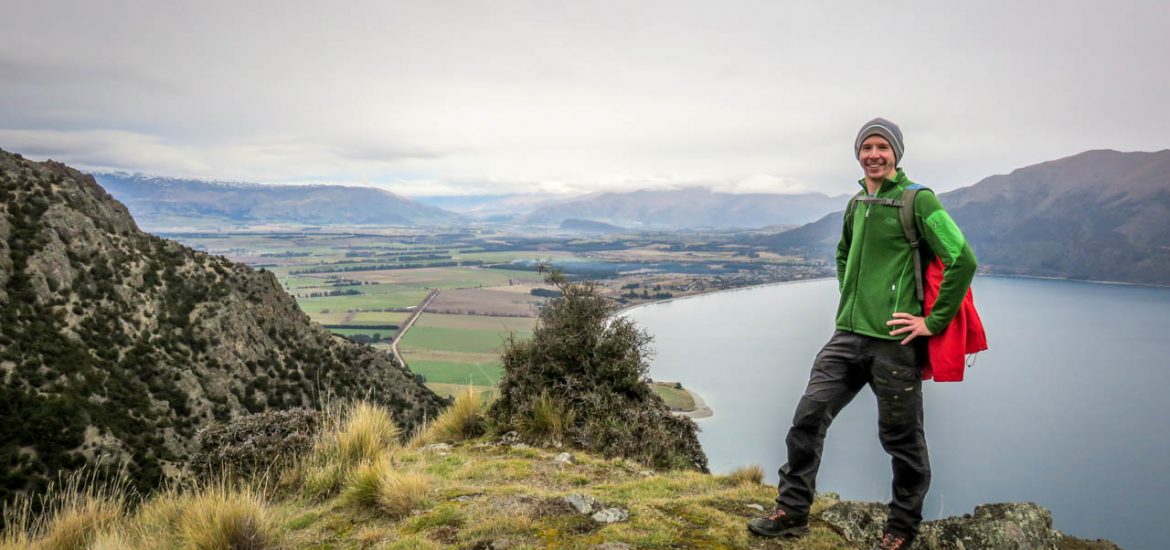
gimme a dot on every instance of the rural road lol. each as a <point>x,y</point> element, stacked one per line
<point>410,322</point>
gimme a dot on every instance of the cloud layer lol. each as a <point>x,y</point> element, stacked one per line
<point>474,97</point>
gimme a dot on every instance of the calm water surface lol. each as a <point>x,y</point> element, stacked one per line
<point>1068,409</point>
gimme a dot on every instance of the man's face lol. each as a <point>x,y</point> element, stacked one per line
<point>877,158</point>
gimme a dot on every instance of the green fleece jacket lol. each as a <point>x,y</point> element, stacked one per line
<point>875,270</point>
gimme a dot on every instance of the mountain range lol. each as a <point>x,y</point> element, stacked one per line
<point>694,207</point>
<point>1099,215</point>
<point>116,346</point>
<point>159,203</point>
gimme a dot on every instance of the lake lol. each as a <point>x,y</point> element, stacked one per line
<point>1067,409</point>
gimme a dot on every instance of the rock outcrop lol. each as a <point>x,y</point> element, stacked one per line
<point>116,346</point>
<point>1004,526</point>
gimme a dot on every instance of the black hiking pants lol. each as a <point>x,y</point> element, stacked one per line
<point>847,363</point>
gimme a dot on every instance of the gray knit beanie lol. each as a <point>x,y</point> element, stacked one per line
<point>887,130</point>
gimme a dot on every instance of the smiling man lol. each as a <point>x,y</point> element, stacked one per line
<point>880,337</point>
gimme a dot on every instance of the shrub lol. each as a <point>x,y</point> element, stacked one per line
<point>582,374</point>
<point>253,443</point>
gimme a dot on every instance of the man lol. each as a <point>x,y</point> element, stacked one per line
<point>879,339</point>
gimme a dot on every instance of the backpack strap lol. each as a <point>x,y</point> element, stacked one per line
<point>910,229</point>
<point>905,206</point>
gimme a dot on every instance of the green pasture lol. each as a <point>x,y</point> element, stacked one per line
<point>398,298</point>
<point>450,339</point>
<point>371,317</point>
<point>454,390</point>
<point>383,334</point>
<point>676,399</point>
<point>445,372</point>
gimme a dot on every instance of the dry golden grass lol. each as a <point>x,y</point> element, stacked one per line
<point>546,421</point>
<point>377,486</point>
<point>360,432</point>
<point>751,474</point>
<point>390,497</point>
<point>75,512</point>
<point>463,420</point>
<point>220,517</point>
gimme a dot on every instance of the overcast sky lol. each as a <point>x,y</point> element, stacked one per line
<point>441,97</point>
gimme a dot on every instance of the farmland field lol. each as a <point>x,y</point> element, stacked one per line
<point>443,372</point>
<point>453,339</point>
<point>358,279</point>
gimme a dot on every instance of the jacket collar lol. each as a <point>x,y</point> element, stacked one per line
<point>897,181</point>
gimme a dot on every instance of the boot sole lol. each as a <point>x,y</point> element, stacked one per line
<point>789,532</point>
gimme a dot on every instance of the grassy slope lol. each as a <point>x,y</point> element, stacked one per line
<point>357,488</point>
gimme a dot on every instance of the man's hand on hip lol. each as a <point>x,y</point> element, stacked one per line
<point>916,326</point>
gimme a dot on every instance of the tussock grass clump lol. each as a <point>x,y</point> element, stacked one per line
<point>220,517</point>
<point>464,419</point>
<point>366,432</point>
<point>377,486</point>
<point>751,474</point>
<point>546,420</point>
<point>72,514</point>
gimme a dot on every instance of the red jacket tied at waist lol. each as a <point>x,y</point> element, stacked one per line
<point>947,351</point>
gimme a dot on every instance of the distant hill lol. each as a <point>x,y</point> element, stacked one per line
<point>1100,215</point>
<point>590,226</point>
<point>688,208</point>
<point>117,346</point>
<point>169,202</point>
<point>492,208</point>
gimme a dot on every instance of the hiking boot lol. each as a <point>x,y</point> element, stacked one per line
<point>779,523</point>
<point>893,541</point>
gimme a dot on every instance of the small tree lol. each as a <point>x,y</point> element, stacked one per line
<point>590,365</point>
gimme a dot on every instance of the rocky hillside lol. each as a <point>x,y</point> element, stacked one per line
<point>159,203</point>
<point>116,346</point>
<point>1099,215</point>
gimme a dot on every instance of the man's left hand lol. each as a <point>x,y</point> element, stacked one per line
<point>916,326</point>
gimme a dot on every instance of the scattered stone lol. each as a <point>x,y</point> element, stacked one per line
<point>565,459</point>
<point>991,527</point>
<point>583,504</point>
<point>613,546</point>
<point>510,438</point>
<point>646,473</point>
<point>440,448</point>
<point>464,498</point>
<point>611,515</point>
<point>755,506</point>
<point>520,446</point>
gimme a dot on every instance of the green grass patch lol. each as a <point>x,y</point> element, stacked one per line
<point>458,373</point>
<point>391,299</point>
<point>382,334</point>
<point>675,398</point>
<point>371,317</point>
